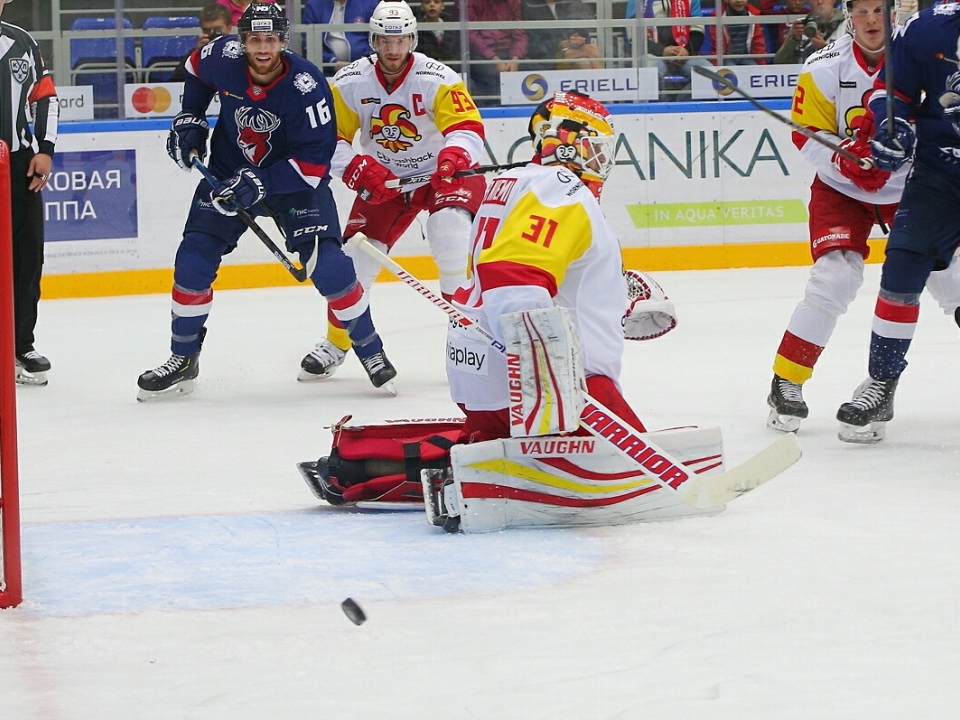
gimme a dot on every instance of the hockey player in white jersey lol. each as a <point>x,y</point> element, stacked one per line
<point>846,200</point>
<point>411,116</point>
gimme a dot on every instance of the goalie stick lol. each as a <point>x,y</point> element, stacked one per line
<point>698,492</point>
<point>480,170</point>
<point>865,163</point>
<point>300,274</point>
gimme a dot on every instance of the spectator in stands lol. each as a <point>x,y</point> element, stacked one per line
<point>214,22</point>
<point>341,48</point>
<point>505,48</point>
<point>441,43</point>
<point>570,46</point>
<point>671,48</point>
<point>740,39</point>
<point>236,8</point>
<point>792,7</point>
<point>824,23</point>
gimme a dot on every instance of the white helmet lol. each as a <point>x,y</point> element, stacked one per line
<point>393,17</point>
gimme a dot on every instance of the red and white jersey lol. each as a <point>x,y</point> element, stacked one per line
<point>540,238</point>
<point>429,108</point>
<point>831,99</point>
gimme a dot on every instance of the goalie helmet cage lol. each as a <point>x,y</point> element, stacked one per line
<point>11,587</point>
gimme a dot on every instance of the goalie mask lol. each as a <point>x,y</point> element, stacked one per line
<point>395,19</point>
<point>263,18</point>
<point>577,132</point>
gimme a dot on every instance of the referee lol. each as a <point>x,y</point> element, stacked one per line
<point>26,84</point>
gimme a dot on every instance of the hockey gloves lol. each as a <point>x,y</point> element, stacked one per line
<point>449,162</point>
<point>245,189</point>
<point>368,178</point>
<point>892,147</point>
<point>188,136</point>
<point>868,178</point>
<point>650,313</point>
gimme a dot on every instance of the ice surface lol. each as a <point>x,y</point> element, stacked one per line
<point>176,566</point>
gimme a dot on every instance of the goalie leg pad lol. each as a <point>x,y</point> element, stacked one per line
<point>571,481</point>
<point>383,462</point>
<point>544,370</point>
<point>650,313</point>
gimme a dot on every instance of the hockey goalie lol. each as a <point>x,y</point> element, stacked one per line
<point>547,290</point>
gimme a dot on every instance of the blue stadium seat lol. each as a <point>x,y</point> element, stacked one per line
<point>93,61</point>
<point>162,53</point>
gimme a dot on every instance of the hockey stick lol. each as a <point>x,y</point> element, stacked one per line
<point>299,274</point>
<point>698,492</point>
<point>888,64</point>
<point>865,163</point>
<point>479,170</point>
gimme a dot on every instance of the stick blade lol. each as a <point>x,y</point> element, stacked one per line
<point>711,492</point>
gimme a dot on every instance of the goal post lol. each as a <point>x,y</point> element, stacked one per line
<point>11,579</point>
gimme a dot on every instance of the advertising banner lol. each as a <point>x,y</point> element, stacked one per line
<point>76,102</point>
<point>759,81</point>
<point>610,85</point>
<point>91,195</point>
<point>146,100</point>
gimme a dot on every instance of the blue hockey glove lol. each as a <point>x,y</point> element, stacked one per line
<point>950,102</point>
<point>892,148</point>
<point>188,136</point>
<point>245,189</point>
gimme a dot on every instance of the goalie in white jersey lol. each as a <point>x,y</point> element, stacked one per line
<point>411,117</point>
<point>846,200</point>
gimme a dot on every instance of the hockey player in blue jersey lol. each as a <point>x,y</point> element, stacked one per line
<point>925,60</point>
<point>272,147</point>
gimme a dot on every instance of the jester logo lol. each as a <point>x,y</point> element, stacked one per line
<point>856,116</point>
<point>255,126</point>
<point>393,125</point>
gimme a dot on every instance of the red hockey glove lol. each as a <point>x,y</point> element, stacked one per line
<point>367,178</point>
<point>870,179</point>
<point>449,162</point>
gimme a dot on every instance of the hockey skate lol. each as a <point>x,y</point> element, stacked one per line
<point>440,499</point>
<point>787,407</point>
<point>863,420</point>
<point>317,476</point>
<point>380,371</point>
<point>177,376</point>
<point>321,362</point>
<point>32,368</point>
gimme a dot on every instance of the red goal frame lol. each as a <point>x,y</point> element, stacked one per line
<point>11,578</point>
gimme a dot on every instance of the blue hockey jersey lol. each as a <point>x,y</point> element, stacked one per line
<point>926,63</point>
<point>286,129</point>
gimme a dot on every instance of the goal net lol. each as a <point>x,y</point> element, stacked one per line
<point>11,590</point>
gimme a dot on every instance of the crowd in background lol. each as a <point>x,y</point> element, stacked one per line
<point>671,48</point>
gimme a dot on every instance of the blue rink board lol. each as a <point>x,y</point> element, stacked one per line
<point>239,561</point>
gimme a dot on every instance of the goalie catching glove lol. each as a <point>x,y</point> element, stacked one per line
<point>544,370</point>
<point>245,189</point>
<point>650,313</point>
<point>368,178</point>
<point>188,137</point>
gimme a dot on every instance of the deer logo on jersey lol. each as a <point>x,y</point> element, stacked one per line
<point>255,126</point>
<point>393,126</point>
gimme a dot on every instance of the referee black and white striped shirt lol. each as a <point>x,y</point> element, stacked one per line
<point>27,93</point>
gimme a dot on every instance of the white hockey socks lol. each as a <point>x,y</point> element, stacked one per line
<point>545,372</point>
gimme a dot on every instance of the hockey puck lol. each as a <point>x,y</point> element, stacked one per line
<point>353,611</point>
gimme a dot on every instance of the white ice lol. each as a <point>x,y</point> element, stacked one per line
<point>176,566</point>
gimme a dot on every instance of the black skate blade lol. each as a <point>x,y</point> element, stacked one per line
<point>311,476</point>
<point>869,434</point>
<point>181,388</point>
